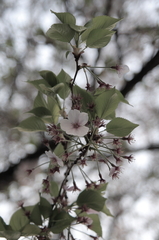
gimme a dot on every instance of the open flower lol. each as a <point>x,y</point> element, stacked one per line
<point>55,160</point>
<point>75,124</point>
<point>121,69</point>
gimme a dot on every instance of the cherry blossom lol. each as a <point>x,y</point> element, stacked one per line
<point>121,69</point>
<point>75,124</point>
<point>55,160</point>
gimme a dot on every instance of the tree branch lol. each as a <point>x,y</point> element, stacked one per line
<point>151,64</point>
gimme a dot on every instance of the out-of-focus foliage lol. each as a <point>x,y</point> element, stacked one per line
<point>25,50</point>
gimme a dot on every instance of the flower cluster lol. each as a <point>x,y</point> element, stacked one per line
<point>82,140</point>
<point>77,124</point>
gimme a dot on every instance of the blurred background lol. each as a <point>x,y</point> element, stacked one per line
<point>24,51</point>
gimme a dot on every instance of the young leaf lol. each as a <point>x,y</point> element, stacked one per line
<point>98,38</point>
<point>92,199</point>
<point>45,208</point>
<point>120,127</point>
<point>106,103</point>
<point>99,22</point>
<point>60,32</point>
<point>104,22</point>
<point>77,28</point>
<point>32,124</point>
<point>65,17</point>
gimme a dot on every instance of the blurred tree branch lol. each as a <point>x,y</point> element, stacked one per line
<point>150,65</point>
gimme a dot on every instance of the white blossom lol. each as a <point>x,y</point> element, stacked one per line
<point>121,69</point>
<point>75,124</point>
<point>54,158</point>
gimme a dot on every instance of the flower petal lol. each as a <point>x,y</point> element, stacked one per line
<point>52,155</point>
<point>122,70</point>
<point>81,131</point>
<point>65,124</point>
<point>73,115</point>
<point>83,118</point>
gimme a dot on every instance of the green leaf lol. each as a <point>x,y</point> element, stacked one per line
<point>64,78</point>
<point>99,22</point>
<point>38,83</point>
<point>32,124</point>
<point>45,208</point>
<point>92,199</point>
<point>10,235</point>
<point>98,38</point>
<point>2,224</point>
<point>77,28</point>
<point>111,116</point>
<point>35,215</point>
<point>120,127</point>
<point>50,77</point>
<point>106,211</point>
<point>65,17</point>
<point>104,22</point>
<point>96,226</point>
<point>59,150</point>
<point>60,221</point>
<point>54,190</point>
<point>60,32</point>
<point>54,109</point>
<point>18,220</point>
<point>102,187</point>
<point>121,97</point>
<point>106,103</point>
<point>52,91</point>
<point>40,112</point>
<point>39,100</point>
<point>31,229</point>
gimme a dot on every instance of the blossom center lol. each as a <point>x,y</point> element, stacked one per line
<point>76,125</point>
